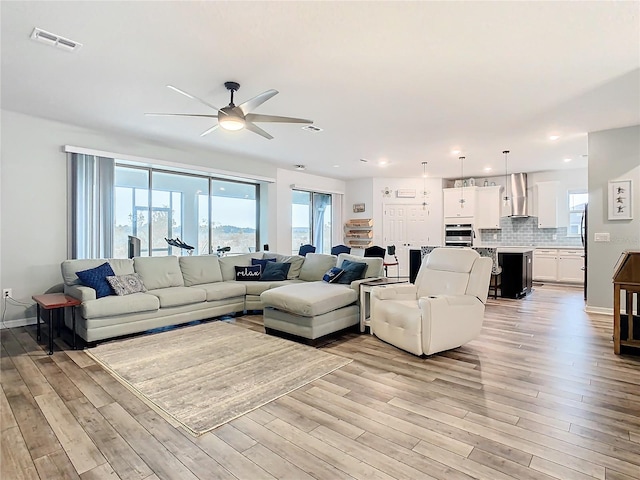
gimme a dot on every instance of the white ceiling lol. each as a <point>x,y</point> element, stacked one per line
<point>404,82</point>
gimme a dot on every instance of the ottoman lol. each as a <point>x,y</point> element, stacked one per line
<point>311,309</point>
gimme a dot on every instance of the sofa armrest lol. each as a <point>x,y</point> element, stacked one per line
<point>402,291</point>
<point>80,292</point>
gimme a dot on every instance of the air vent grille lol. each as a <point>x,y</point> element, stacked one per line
<point>54,40</point>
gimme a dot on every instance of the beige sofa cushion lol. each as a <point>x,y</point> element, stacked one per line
<point>223,290</point>
<point>296,262</point>
<point>121,266</point>
<point>374,268</point>
<point>309,299</point>
<point>200,269</point>
<point>176,296</point>
<point>159,272</point>
<point>116,305</point>
<point>228,264</point>
<point>316,265</point>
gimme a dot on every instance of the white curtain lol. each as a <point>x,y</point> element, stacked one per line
<point>92,205</point>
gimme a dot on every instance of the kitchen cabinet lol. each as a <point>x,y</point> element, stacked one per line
<point>545,265</point>
<point>547,204</point>
<point>454,208</point>
<point>517,273</point>
<point>488,207</point>
<point>563,265</point>
<point>570,264</point>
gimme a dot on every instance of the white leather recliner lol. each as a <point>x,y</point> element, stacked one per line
<point>443,310</point>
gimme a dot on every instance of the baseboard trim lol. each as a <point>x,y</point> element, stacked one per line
<point>18,322</point>
<point>599,310</point>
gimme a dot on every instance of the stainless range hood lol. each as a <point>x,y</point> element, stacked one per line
<point>518,197</point>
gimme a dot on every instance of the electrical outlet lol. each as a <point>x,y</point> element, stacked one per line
<point>495,236</point>
<point>7,292</point>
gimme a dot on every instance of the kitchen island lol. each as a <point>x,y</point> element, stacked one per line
<point>517,271</point>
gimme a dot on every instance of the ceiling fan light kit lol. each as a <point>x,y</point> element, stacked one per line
<point>234,117</point>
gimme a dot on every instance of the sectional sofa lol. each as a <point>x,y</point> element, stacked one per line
<point>184,289</point>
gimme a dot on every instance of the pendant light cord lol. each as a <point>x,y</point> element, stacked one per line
<point>506,176</point>
<point>462,176</point>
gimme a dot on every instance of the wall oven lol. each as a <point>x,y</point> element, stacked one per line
<point>458,235</point>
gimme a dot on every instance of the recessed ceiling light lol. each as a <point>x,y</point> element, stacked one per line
<point>383,163</point>
<point>554,137</point>
<point>299,167</point>
<point>364,160</point>
<point>455,152</point>
<point>311,128</point>
<point>566,160</point>
<point>336,166</point>
<point>487,169</point>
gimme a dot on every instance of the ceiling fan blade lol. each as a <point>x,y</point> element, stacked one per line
<point>256,129</point>
<point>175,89</point>
<point>256,117</point>
<point>179,115</point>
<point>255,102</point>
<point>207,132</point>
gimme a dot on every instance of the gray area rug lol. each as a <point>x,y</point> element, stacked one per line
<point>206,375</point>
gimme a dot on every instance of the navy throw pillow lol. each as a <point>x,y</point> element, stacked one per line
<point>96,278</point>
<point>275,271</point>
<point>352,271</point>
<point>262,262</point>
<point>333,275</point>
<point>251,273</point>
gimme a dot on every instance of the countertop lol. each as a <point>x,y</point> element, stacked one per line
<point>515,249</point>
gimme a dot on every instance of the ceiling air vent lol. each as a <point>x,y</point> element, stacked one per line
<point>312,128</point>
<point>54,40</point>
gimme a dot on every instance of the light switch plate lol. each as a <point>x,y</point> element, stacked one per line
<point>601,237</point>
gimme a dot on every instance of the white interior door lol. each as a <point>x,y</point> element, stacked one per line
<point>405,226</point>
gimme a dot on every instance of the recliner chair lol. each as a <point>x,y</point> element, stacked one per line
<point>443,310</point>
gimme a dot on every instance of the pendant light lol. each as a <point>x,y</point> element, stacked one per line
<point>424,185</point>
<point>506,179</point>
<point>462,200</point>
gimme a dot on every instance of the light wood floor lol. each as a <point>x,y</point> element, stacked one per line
<point>539,395</point>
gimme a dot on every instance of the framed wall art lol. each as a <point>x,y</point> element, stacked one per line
<point>358,207</point>
<point>620,200</point>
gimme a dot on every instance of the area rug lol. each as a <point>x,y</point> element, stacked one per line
<point>206,375</point>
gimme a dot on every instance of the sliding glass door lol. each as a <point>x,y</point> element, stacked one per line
<point>311,220</point>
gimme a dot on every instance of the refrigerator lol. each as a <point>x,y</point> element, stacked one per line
<point>584,228</point>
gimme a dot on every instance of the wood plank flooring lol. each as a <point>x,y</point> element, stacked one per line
<point>540,395</point>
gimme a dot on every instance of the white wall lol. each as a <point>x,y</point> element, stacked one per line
<point>370,191</point>
<point>33,195</point>
<point>613,155</point>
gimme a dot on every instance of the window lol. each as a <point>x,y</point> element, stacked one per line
<point>234,216</point>
<point>577,202</point>
<point>311,220</point>
<point>154,205</point>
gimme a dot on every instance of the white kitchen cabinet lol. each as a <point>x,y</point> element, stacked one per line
<point>570,263</point>
<point>547,204</point>
<point>545,265</point>
<point>489,206</point>
<point>452,205</point>
<point>562,265</point>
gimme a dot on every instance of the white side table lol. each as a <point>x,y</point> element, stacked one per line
<point>365,298</point>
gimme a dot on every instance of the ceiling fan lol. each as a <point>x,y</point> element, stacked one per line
<point>234,117</point>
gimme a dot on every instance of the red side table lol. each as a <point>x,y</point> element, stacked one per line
<point>54,303</point>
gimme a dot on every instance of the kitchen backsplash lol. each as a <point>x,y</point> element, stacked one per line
<point>524,232</point>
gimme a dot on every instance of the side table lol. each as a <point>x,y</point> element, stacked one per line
<point>365,298</point>
<point>54,304</point>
